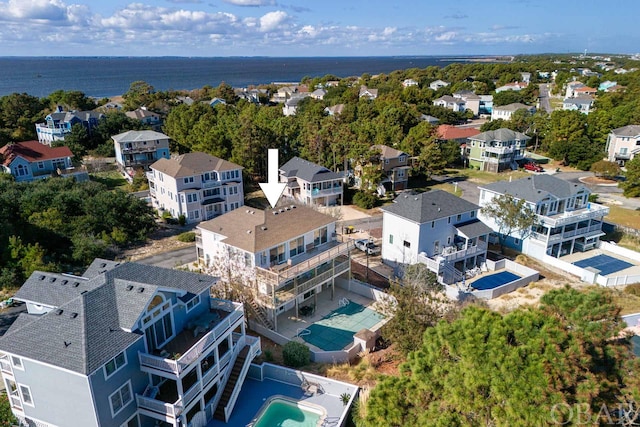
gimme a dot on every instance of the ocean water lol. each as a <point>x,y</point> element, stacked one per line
<point>109,76</point>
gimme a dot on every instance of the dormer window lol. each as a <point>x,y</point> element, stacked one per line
<point>401,159</point>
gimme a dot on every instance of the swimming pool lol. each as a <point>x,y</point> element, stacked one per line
<point>335,330</point>
<point>494,280</point>
<point>284,412</point>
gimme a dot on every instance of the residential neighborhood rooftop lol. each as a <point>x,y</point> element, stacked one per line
<point>536,187</point>
<point>32,151</point>
<point>190,164</point>
<point>630,131</point>
<point>447,132</point>
<point>428,206</point>
<point>255,230</point>
<point>138,135</point>
<point>93,321</point>
<point>502,134</point>
<point>308,171</point>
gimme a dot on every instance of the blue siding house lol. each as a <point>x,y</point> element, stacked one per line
<point>30,160</point>
<point>57,125</point>
<point>124,345</point>
<point>138,149</point>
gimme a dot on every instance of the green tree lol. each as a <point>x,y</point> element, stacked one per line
<point>19,113</point>
<point>606,169</point>
<point>6,415</point>
<point>631,184</point>
<point>416,305</point>
<point>512,216</point>
<point>77,141</point>
<point>525,368</point>
<point>139,94</point>
<point>430,161</point>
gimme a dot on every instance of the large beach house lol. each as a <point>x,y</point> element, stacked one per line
<point>124,345</point>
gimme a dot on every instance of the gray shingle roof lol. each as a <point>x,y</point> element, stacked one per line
<point>535,188</point>
<point>138,135</point>
<point>630,131</point>
<point>90,324</point>
<point>191,164</point>
<point>429,206</point>
<point>502,134</point>
<point>307,171</point>
<point>474,229</point>
<point>52,289</point>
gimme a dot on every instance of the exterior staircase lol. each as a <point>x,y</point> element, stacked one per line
<point>259,313</point>
<point>231,383</point>
<point>452,274</point>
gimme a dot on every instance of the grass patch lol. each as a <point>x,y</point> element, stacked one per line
<point>627,302</point>
<point>483,177</point>
<point>112,179</point>
<point>623,216</point>
<point>625,240</point>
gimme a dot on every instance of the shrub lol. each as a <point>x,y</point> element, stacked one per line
<point>296,354</point>
<point>182,220</point>
<point>189,236</point>
<point>593,198</point>
<point>633,289</point>
<point>364,200</point>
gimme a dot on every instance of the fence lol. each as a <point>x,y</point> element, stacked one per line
<point>527,275</point>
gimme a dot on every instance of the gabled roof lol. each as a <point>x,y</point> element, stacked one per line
<point>67,116</point>
<point>307,171</point>
<point>191,164</point>
<point>138,135</point>
<point>91,323</point>
<point>449,100</point>
<point>141,113</point>
<point>429,206</point>
<point>585,89</point>
<point>447,132</point>
<point>628,131</point>
<point>514,107</point>
<point>388,152</point>
<point>579,100</point>
<point>32,151</point>
<point>535,188</point>
<point>365,91</point>
<point>255,230</point>
<point>335,109</point>
<point>502,134</point>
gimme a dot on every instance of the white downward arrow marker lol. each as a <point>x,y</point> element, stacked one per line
<point>272,189</point>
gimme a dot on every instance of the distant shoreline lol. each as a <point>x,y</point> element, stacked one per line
<point>480,59</point>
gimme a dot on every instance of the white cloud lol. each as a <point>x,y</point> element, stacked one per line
<point>272,20</point>
<point>252,3</point>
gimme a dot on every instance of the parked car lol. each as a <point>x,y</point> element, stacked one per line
<point>531,166</point>
<point>367,246</point>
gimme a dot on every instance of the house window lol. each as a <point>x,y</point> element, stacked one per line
<point>188,180</point>
<point>433,224</point>
<point>296,247</point>
<point>276,255</point>
<point>401,159</point>
<point>115,364</point>
<point>17,363</point>
<point>121,398</point>
<point>247,259</point>
<point>320,236</point>
<point>386,161</point>
<point>458,217</point>
<point>401,173</point>
<point>623,150</point>
<point>192,303</point>
<point>21,170</point>
<point>40,165</point>
<point>391,239</point>
<point>406,244</point>
<point>25,391</point>
<point>191,198</point>
<point>473,214</point>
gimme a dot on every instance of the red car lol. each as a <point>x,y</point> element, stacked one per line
<point>533,167</point>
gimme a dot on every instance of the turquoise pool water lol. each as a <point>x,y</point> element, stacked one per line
<point>282,412</point>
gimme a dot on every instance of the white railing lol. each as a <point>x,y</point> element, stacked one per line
<point>254,350</point>
<point>210,374</point>
<point>431,264</point>
<point>499,150</point>
<point>464,253</point>
<point>568,217</point>
<point>15,400</point>
<point>178,366</point>
<point>190,394</point>
<point>159,407</point>
<point>211,184</point>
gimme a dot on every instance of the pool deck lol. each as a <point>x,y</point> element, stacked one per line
<point>255,393</point>
<point>579,256</point>
<point>289,325</point>
<point>485,274</point>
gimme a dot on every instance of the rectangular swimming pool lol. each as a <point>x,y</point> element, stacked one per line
<point>285,412</point>
<point>605,263</point>
<point>494,280</point>
<point>335,330</point>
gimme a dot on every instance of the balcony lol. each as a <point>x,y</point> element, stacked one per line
<point>191,343</point>
<point>592,211</point>
<point>625,156</point>
<point>211,184</point>
<point>5,365</point>
<point>327,192</point>
<point>163,401</point>
<point>451,254</point>
<point>16,403</point>
<point>143,149</point>
<point>499,150</point>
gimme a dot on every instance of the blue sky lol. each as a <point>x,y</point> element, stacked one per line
<point>315,28</point>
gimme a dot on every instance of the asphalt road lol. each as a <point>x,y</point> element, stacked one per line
<point>545,102</point>
<point>171,259</point>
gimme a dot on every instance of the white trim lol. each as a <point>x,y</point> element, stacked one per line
<point>118,368</point>
<point>20,365</point>
<point>195,304</point>
<point>24,402</point>
<point>124,404</point>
